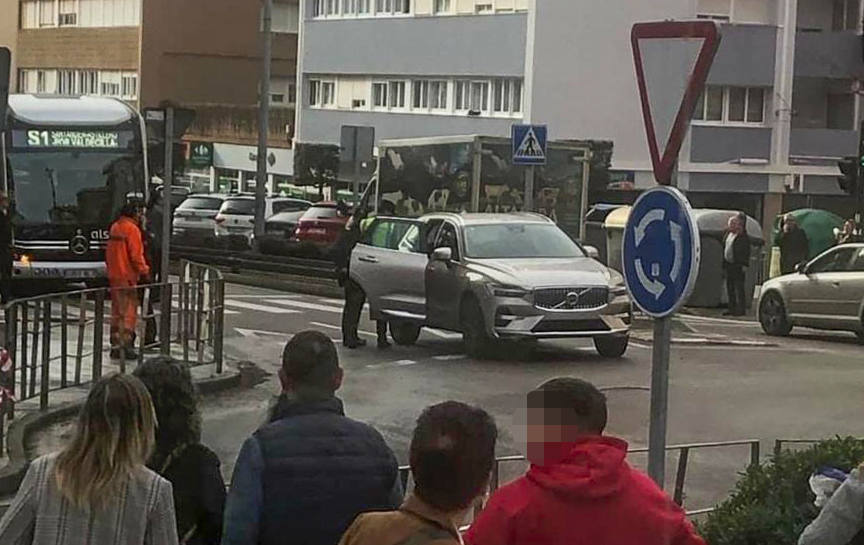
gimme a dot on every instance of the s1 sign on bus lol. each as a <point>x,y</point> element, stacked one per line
<point>5,63</point>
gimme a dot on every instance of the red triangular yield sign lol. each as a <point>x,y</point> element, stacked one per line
<point>691,46</point>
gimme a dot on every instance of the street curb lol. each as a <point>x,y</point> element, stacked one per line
<point>308,286</point>
<point>13,472</point>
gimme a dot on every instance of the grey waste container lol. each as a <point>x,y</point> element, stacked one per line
<point>614,226</point>
<point>710,290</point>
<point>595,235</point>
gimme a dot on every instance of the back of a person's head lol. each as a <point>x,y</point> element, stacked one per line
<point>175,401</point>
<point>131,209</point>
<point>452,453</point>
<point>571,402</point>
<point>114,435</point>
<point>310,365</point>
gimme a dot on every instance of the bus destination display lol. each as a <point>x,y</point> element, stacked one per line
<point>44,138</point>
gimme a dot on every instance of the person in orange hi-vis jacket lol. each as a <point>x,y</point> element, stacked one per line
<point>126,267</point>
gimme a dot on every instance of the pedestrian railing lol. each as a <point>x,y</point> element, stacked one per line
<point>58,341</point>
<point>683,451</point>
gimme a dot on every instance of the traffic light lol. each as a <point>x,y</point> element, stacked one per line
<point>849,180</point>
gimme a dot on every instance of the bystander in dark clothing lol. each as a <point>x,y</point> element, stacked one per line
<point>794,245</point>
<point>192,468</point>
<point>736,258</point>
<point>305,475</point>
<point>154,235</point>
<point>355,298</point>
<point>5,249</point>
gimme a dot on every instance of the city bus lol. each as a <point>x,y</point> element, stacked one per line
<point>69,164</point>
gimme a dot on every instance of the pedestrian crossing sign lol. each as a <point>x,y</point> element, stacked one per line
<point>529,144</point>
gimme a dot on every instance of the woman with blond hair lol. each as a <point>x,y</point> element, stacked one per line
<point>97,491</point>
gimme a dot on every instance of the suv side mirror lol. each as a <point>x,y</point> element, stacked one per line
<point>801,268</point>
<point>442,254</point>
<point>592,252</point>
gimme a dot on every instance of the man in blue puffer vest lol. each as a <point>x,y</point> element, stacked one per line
<point>304,476</point>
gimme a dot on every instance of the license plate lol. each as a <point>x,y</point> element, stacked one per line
<point>317,231</point>
<point>45,272</point>
<point>193,218</point>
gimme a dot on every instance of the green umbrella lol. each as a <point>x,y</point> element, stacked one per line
<point>819,226</point>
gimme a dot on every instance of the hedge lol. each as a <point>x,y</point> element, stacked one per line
<point>772,502</point>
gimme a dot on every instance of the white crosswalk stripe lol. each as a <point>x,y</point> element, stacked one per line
<point>259,308</point>
<point>308,306</point>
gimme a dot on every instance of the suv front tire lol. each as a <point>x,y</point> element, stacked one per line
<point>611,346</point>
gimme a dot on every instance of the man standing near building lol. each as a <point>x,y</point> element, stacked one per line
<point>126,267</point>
<point>5,249</point>
<point>736,258</point>
<point>794,245</point>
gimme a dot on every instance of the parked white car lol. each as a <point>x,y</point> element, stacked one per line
<point>195,219</point>
<point>235,222</point>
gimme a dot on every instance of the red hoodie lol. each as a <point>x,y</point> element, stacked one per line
<point>591,497</point>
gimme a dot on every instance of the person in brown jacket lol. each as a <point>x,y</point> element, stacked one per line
<point>452,453</point>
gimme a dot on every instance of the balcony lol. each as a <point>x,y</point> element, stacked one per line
<point>238,125</point>
<point>823,143</point>
<point>746,56</point>
<point>729,144</point>
<point>828,54</point>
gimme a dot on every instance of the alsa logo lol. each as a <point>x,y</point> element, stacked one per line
<point>100,234</point>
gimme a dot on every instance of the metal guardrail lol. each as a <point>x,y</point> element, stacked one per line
<point>57,341</point>
<point>680,475</point>
<point>319,268</point>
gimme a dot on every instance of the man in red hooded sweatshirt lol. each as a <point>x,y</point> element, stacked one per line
<point>579,489</point>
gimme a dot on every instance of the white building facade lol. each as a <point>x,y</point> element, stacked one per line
<point>780,108</point>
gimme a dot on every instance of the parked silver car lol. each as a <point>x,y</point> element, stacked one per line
<point>826,293</point>
<point>489,276</point>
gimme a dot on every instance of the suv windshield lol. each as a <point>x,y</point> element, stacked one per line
<point>518,240</point>
<point>240,207</point>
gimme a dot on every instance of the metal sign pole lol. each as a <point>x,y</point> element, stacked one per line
<point>167,182</point>
<point>529,189</point>
<point>659,400</point>
<point>263,118</point>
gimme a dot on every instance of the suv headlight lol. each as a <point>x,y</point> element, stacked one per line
<point>618,290</point>
<point>506,291</point>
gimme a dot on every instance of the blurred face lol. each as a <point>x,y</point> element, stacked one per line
<point>791,224</point>
<point>548,435</point>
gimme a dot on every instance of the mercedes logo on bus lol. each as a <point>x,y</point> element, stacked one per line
<point>79,245</point>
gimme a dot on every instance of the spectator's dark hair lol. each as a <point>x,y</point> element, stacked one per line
<point>583,405</point>
<point>176,403</point>
<point>452,453</point>
<point>310,360</point>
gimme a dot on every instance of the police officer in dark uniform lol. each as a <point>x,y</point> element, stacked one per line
<point>5,249</point>
<point>354,296</point>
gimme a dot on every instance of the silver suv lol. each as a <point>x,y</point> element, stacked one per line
<point>489,276</point>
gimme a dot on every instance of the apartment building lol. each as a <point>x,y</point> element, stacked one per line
<point>200,54</point>
<point>782,104</point>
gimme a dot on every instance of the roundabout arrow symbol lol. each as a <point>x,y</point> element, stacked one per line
<point>657,214</point>
<point>678,241</point>
<point>654,287</point>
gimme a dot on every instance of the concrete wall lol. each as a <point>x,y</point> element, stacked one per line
<point>724,144</point>
<point>823,142</point>
<point>582,80</point>
<point>107,48</point>
<point>746,56</point>
<point>213,61</point>
<point>828,55</point>
<point>323,126</point>
<point>733,183</point>
<point>481,45</point>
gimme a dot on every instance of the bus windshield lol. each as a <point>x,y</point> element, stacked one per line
<point>71,187</point>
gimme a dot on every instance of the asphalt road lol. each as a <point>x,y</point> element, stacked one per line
<point>729,382</point>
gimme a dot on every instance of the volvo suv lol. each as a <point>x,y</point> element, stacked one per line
<point>490,277</point>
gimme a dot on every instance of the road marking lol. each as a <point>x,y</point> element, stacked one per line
<point>398,363</point>
<point>340,302</point>
<point>450,357</point>
<point>310,306</point>
<point>443,334</point>
<point>331,326</point>
<point>250,333</point>
<point>711,319</point>
<point>261,308</point>
<point>259,296</point>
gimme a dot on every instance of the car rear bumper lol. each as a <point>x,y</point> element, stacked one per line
<point>59,270</point>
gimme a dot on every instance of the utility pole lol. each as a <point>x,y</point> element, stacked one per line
<point>263,117</point>
<point>167,183</point>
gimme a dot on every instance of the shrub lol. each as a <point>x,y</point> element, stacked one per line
<point>772,503</point>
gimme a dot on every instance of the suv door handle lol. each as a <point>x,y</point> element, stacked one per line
<point>368,259</point>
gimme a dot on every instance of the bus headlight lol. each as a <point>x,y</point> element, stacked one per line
<point>25,260</point>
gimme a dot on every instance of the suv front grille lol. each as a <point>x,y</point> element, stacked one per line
<point>571,298</point>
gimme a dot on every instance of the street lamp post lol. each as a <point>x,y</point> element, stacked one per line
<point>263,117</point>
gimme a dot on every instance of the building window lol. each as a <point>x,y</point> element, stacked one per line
<point>40,81</point>
<point>484,8</point>
<point>356,7</point>
<point>129,86</point>
<point>314,92</point>
<point>68,13</point>
<point>277,98</point>
<point>379,95</point>
<point>326,8</point>
<point>845,15</point>
<point>507,96</point>
<point>462,92</point>
<point>46,13</point>
<point>429,95</point>
<point>392,7</point>
<point>731,105</point>
<point>66,82</point>
<point>292,93</point>
<point>397,94</point>
<point>442,6</point>
<point>328,93</point>
<point>479,96</point>
<point>88,82</point>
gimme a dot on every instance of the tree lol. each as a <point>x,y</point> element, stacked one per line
<point>316,164</point>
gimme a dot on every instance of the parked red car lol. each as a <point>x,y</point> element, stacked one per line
<point>321,225</point>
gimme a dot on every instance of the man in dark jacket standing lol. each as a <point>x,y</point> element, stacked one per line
<point>736,258</point>
<point>580,488</point>
<point>306,475</point>
<point>794,245</point>
<point>5,249</point>
<point>354,296</point>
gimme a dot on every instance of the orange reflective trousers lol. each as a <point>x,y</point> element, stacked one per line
<point>124,313</point>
